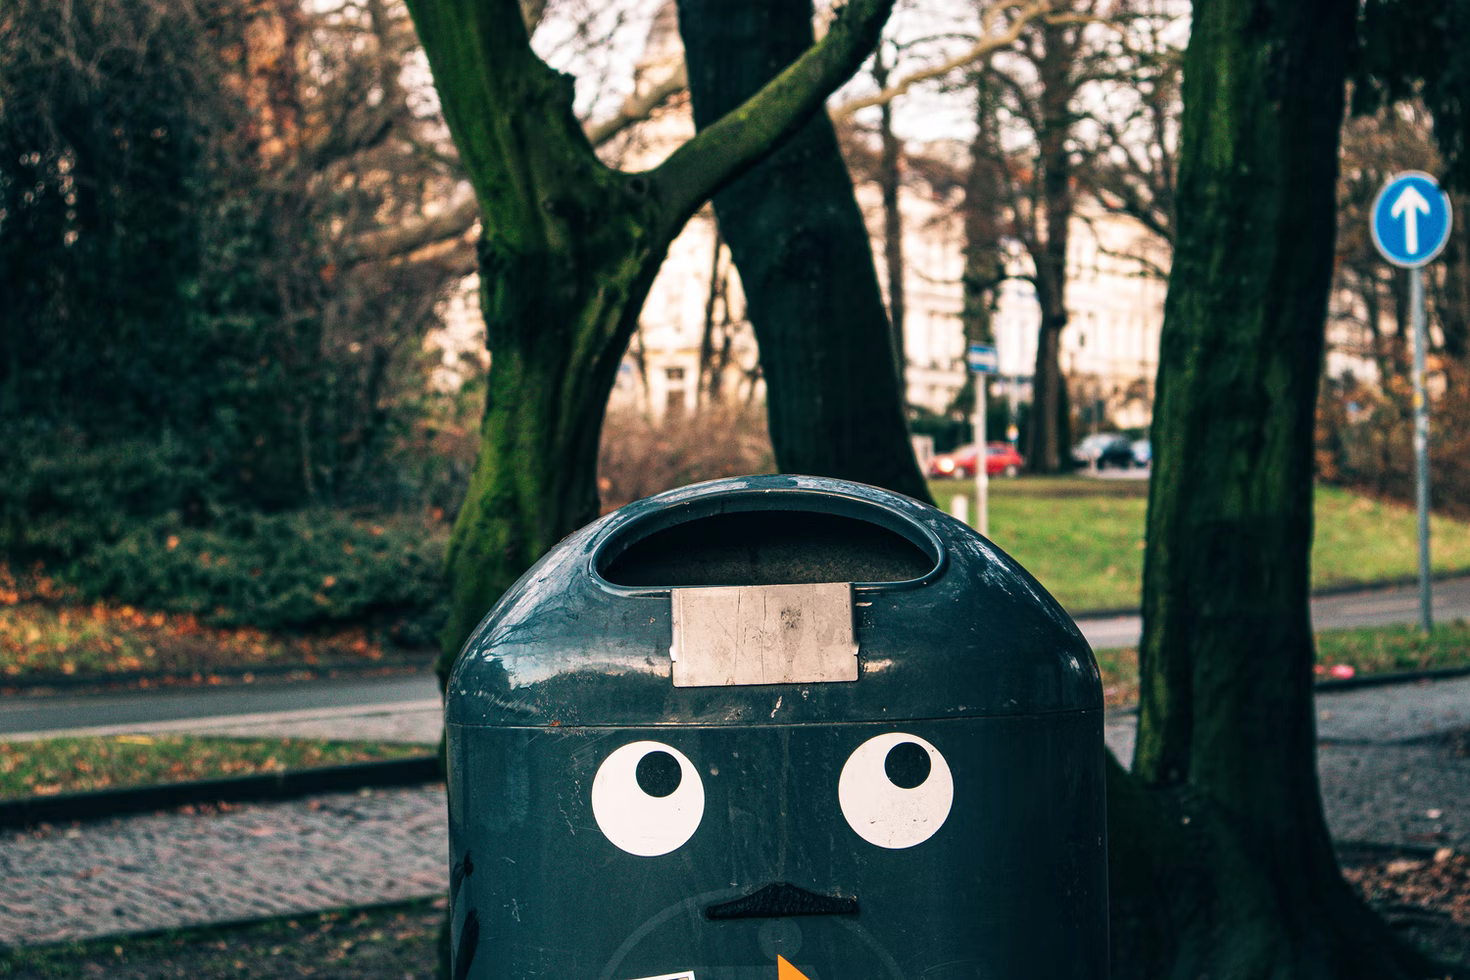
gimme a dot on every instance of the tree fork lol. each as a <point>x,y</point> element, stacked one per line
<point>569,250</point>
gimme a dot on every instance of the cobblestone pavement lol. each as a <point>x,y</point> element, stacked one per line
<point>172,869</point>
<point>1388,768</point>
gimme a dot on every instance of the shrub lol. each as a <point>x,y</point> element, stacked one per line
<point>60,498</point>
<point>1365,438</point>
<point>288,571</point>
<point>640,456</point>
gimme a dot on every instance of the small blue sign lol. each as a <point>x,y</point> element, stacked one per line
<point>983,359</point>
<point>1411,219</point>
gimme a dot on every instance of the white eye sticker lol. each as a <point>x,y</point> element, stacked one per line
<point>647,798</point>
<point>895,790</point>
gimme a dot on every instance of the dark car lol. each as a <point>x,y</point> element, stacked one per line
<point>1001,459</point>
<point>1105,449</point>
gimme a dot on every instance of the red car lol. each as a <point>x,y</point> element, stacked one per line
<point>1001,459</point>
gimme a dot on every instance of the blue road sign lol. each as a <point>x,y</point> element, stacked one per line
<point>1411,219</point>
<point>983,359</point>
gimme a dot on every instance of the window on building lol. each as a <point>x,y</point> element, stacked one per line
<point>674,396</point>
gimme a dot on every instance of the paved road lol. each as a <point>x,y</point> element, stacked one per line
<point>179,709</point>
<point>1371,607</point>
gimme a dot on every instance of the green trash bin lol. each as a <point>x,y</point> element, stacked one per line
<point>775,728</point>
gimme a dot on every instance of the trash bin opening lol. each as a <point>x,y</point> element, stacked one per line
<point>767,547</point>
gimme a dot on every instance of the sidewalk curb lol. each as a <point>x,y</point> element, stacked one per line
<point>291,784</point>
<point>1326,592</point>
<point>1393,677</point>
<point>227,925</point>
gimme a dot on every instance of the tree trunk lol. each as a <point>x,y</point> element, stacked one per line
<point>889,178</point>
<point>1386,413</point>
<point>1222,864</point>
<point>1454,299</point>
<point>798,238</point>
<point>707,390</point>
<point>1044,440</point>
<point>984,258</point>
<point>1047,436</point>
<point>556,353</point>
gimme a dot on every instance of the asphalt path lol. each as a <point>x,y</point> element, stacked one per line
<point>181,708</point>
<point>1369,607</point>
<point>120,712</point>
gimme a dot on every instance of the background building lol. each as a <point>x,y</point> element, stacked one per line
<point>694,344</point>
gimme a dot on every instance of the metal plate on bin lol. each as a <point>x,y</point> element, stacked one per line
<point>763,634</point>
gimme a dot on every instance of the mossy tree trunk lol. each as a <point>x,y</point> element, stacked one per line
<point>568,252</point>
<point>1221,860</point>
<point>796,234</point>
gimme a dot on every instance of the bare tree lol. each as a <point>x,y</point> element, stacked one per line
<point>1129,164</point>
<point>1037,84</point>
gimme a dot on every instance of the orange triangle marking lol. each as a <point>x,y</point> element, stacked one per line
<point>785,971</point>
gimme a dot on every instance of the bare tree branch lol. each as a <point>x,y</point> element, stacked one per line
<point>455,256</point>
<point>457,221</point>
<point>1025,104</point>
<point>986,45</point>
<point>400,240</point>
<point>1147,266</point>
<point>639,106</point>
<point>720,153</point>
<point>532,11</point>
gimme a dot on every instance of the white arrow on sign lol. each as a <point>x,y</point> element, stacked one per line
<point>1409,206</point>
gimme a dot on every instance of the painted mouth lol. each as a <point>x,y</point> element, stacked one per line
<point>779,900</point>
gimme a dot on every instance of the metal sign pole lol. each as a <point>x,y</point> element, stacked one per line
<point>982,478</point>
<point>1410,223</point>
<point>1421,447</point>
<point>983,361</point>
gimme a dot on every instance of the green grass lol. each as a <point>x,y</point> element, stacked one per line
<point>1119,669</point>
<point>1083,539</point>
<point>46,767</point>
<point>1382,649</point>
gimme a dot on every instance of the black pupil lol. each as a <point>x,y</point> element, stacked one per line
<point>658,773</point>
<point>907,765</point>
